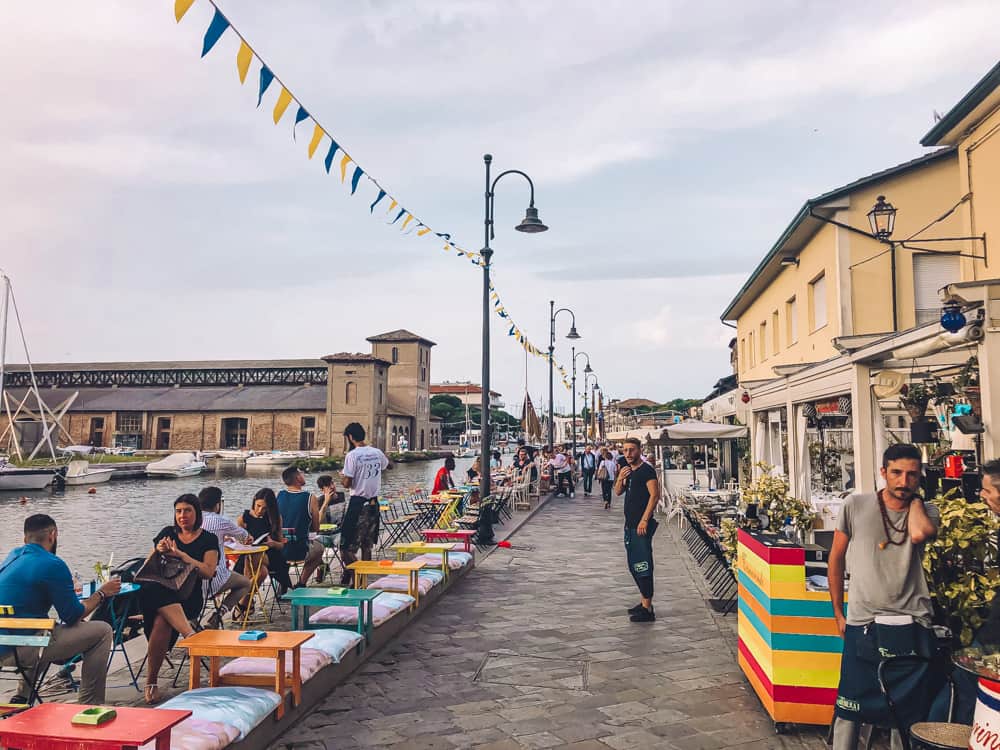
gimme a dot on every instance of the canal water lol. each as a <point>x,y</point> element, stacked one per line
<point>123,516</point>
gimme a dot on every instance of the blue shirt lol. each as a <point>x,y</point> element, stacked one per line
<point>33,580</point>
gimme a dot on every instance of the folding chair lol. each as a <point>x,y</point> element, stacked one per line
<point>32,633</point>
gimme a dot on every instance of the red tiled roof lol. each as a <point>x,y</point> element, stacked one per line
<point>457,388</point>
<point>355,357</point>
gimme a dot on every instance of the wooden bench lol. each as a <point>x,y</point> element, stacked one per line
<point>33,632</point>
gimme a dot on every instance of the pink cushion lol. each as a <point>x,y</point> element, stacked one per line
<point>198,734</point>
<point>401,583</point>
<point>383,608</point>
<point>311,661</point>
<point>456,560</point>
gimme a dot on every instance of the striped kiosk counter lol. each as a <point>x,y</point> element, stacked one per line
<point>789,647</point>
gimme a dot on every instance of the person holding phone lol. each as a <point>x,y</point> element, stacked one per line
<point>637,481</point>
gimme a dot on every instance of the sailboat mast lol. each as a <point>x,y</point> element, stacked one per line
<point>3,337</point>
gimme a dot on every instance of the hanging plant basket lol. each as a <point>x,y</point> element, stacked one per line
<point>844,404</point>
<point>916,412</point>
<point>974,397</point>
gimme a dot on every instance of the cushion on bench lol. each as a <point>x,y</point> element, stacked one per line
<point>335,643</point>
<point>402,583</point>
<point>240,707</point>
<point>387,605</point>
<point>197,734</point>
<point>311,660</point>
<point>456,560</point>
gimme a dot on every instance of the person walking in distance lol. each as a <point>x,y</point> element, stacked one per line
<point>606,470</point>
<point>881,536</point>
<point>362,478</point>
<point>637,481</point>
<point>588,467</point>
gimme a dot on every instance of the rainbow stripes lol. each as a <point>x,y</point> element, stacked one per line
<point>789,648</point>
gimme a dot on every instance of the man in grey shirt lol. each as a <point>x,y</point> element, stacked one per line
<point>881,538</point>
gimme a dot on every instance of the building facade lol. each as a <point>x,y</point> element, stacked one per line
<point>260,405</point>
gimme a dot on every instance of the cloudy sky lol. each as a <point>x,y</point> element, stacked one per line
<point>149,211</point>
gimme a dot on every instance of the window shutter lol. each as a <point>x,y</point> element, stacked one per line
<point>930,273</point>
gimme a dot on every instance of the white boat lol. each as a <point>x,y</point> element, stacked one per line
<point>14,478</point>
<point>176,465</point>
<point>81,472</point>
<point>276,458</point>
<point>233,454</point>
<point>78,450</point>
<point>121,451</point>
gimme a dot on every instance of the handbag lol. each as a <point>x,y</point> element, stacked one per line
<point>602,473</point>
<point>169,572</point>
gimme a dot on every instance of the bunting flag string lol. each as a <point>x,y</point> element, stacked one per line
<point>245,57</point>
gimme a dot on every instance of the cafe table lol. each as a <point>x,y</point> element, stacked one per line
<point>215,644</point>
<point>422,548</point>
<point>254,557</point>
<point>411,568</point>
<point>984,665</point>
<point>48,726</point>
<point>305,598</point>
<point>461,535</point>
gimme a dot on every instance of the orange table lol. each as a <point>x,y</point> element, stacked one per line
<point>47,727</point>
<point>217,643</point>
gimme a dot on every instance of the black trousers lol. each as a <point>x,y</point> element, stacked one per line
<point>606,486</point>
<point>588,480</point>
<point>563,482</point>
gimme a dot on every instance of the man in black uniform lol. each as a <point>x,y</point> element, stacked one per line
<point>637,481</point>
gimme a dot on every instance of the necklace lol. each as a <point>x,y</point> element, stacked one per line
<point>889,527</point>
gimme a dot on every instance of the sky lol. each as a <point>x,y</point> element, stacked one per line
<point>151,212</point>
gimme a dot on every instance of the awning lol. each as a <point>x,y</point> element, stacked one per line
<point>692,431</point>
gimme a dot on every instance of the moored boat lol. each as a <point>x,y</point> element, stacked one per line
<point>81,472</point>
<point>276,458</point>
<point>15,478</point>
<point>182,464</point>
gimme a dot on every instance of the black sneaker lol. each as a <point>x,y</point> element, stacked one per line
<point>636,609</point>
<point>644,615</point>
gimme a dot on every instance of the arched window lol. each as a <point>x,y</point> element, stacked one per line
<point>395,354</point>
<point>351,393</point>
<point>395,435</point>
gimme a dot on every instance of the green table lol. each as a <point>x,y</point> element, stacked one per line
<point>303,599</point>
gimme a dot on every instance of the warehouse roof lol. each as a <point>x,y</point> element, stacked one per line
<point>166,399</point>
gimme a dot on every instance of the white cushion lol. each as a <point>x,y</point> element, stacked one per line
<point>335,643</point>
<point>197,734</point>
<point>311,660</point>
<point>456,560</point>
<point>402,583</point>
<point>384,607</point>
<point>240,707</point>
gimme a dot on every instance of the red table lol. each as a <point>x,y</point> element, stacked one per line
<point>47,727</point>
<point>462,535</point>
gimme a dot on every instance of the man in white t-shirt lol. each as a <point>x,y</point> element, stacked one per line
<point>561,468</point>
<point>362,478</point>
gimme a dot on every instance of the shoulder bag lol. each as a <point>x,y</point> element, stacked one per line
<point>169,572</point>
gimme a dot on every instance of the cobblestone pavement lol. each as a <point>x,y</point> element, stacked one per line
<point>533,649</point>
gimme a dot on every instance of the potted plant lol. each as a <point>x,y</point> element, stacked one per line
<point>915,397</point>
<point>774,499</point>
<point>967,382</point>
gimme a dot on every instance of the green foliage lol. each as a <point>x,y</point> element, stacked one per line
<point>773,495</point>
<point>327,463</point>
<point>727,537</point>
<point>961,561</point>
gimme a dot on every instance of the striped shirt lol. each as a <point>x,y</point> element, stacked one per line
<point>222,527</point>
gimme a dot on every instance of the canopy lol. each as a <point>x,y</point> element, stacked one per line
<point>697,431</point>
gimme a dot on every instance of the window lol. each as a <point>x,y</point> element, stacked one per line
<point>762,341</point>
<point>128,421</point>
<point>307,434</point>
<point>930,273</point>
<point>162,433</point>
<point>775,342</point>
<point>96,431</point>
<point>395,354</point>
<point>743,354</point>
<point>351,393</point>
<point>750,348</point>
<point>791,321</point>
<point>817,308</point>
<point>423,374</point>
<point>380,393</point>
<point>234,432</point>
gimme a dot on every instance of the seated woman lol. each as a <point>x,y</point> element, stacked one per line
<point>264,520</point>
<point>473,472</point>
<point>165,612</point>
<point>443,480</point>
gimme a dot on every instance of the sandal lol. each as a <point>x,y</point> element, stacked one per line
<point>152,694</point>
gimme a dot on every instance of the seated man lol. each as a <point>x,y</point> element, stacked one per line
<point>225,580</point>
<point>301,512</point>
<point>33,581</point>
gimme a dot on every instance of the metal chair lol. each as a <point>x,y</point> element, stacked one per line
<point>32,633</point>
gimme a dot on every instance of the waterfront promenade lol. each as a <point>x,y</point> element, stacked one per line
<point>533,649</point>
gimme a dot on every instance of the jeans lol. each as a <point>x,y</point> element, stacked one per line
<point>606,486</point>
<point>588,480</point>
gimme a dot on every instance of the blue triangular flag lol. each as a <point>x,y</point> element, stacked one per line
<point>443,235</point>
<point>266,76</point>
<point>299,117</point>
<point>398,216</point>
<point>328,161</point>
<point>215,29</point>
<point>355,179</point>
<point>381,195</point>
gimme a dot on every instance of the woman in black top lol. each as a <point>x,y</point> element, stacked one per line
<point>264,520</point>
<point>165,613</point>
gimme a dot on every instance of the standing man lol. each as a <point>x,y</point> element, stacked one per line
<point>362,478</point>
<point>637,481</point>
<point>588,467</point>
<point>881,538</point>
<point>560,469</point>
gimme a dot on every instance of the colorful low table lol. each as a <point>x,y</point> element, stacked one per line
<point>304,598</point>
<point>461,535</point>
<point>48,726</point>
<point>789,645</point>
<point>254,556</point>
<point>423,548</point>
<point>218,643</point>
<point>411,568</point>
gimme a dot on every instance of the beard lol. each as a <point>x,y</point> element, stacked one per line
<point>903,493</point>
<point>55,546</point>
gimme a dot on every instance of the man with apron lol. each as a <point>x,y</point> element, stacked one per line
<point>362,478</point>
<point>881,538</point>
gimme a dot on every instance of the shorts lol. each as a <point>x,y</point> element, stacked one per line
<point>361,524</point>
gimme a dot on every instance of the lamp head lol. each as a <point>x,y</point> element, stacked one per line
<point>789,260</point>
<point>572,333</point>
<point>531,223</point>
<point>952,318</point>
<point>882,218</point>
<point>588,369</point>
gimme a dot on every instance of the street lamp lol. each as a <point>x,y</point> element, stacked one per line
<point>552,347</point>
<point>882,219</point>
<point>586,371</point>
<point>532,225</point>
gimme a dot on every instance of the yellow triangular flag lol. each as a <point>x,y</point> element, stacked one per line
<point>423,231</point>
<point>243,58</point>
<point>392,205</point>
<point>317,137</point>
<point>343,167</point>
<point>284,99</point>
<point>181,7</point>
<point>407,220</point>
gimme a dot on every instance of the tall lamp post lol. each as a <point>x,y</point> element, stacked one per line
<point>532,225</point>
<point>586,371</point>
<point>553,313</point>
<point>592,402</point>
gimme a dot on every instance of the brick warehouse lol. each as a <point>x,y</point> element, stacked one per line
<point>260,405</point>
